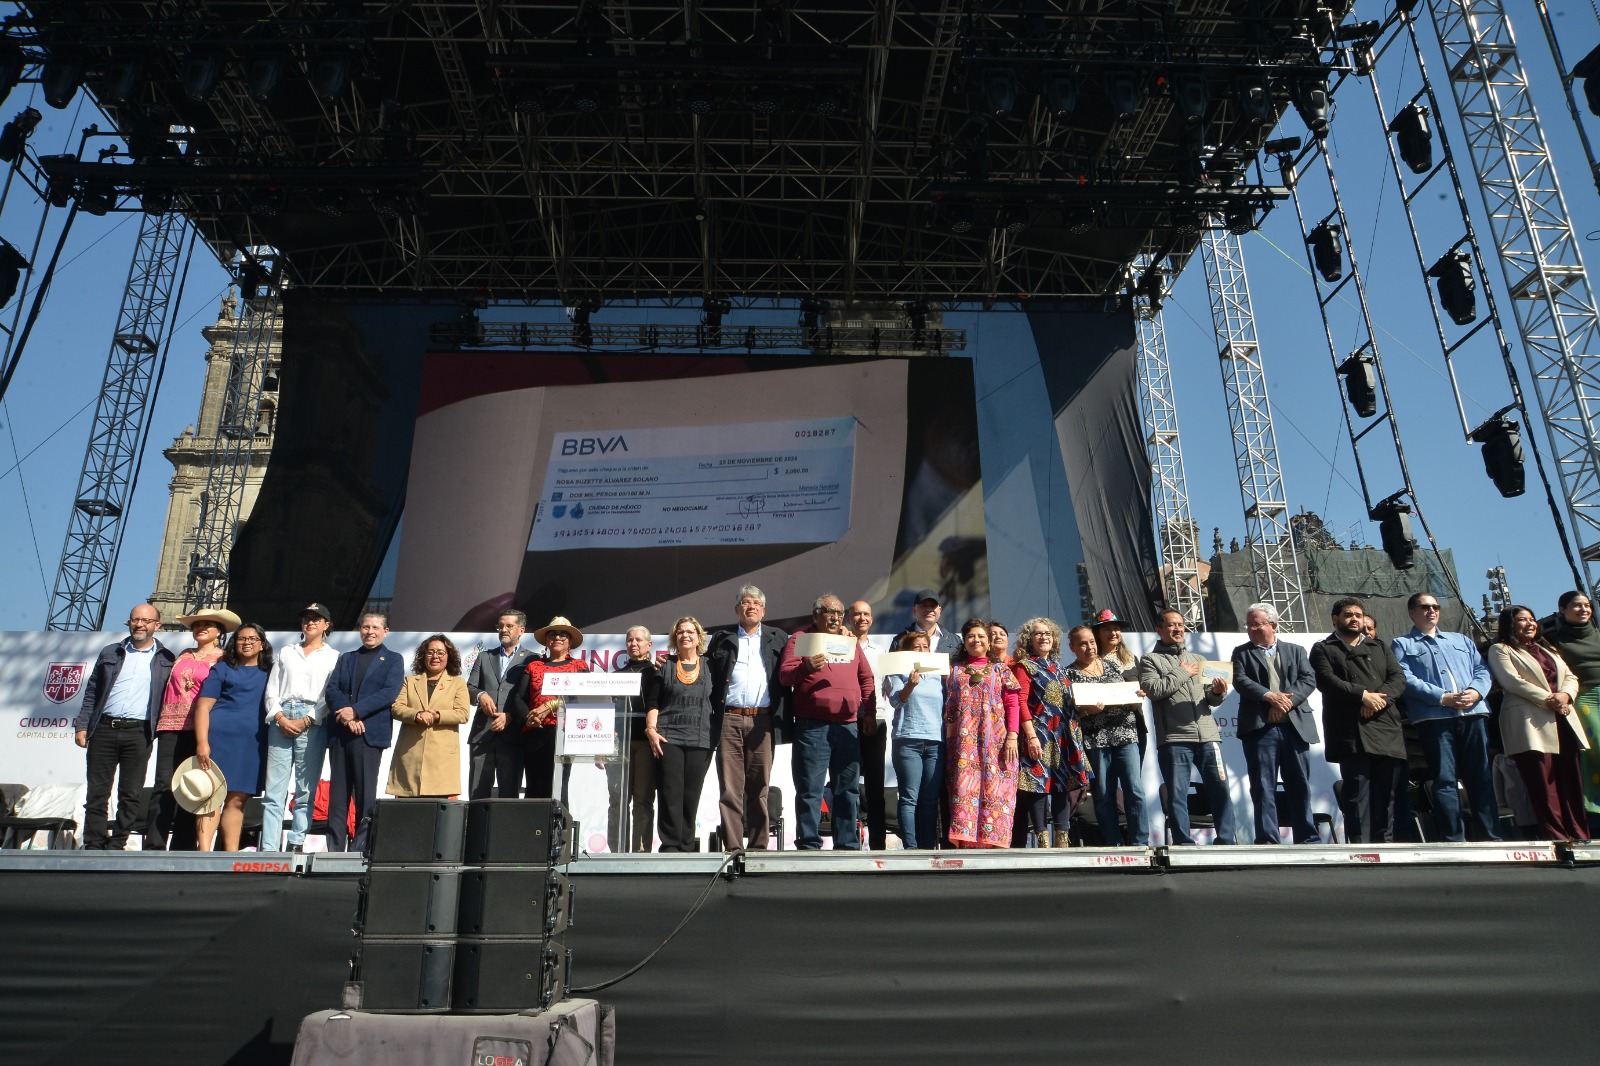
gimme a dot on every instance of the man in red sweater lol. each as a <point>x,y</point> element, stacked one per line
<point>832,690</point>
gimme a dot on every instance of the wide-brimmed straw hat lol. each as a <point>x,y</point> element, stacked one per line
<point>559,624</point>
<point>226,619</point>
<point>196,790</point>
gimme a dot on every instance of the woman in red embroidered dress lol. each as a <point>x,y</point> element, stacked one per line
<point>981,713</point>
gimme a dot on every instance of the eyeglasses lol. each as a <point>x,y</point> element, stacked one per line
<point>144,621</point>
<point>311,620</point>
<point>557,636</point>
<point>247,640</point>
<point>437,653</point>
<point>1427,606</point>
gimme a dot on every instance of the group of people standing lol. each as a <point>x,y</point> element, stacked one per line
<point>992,747</point>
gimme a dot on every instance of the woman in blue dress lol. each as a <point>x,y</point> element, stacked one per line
<point>230,729</point>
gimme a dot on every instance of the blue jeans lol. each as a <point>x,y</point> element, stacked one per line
<point>919,766</point>
<point>298,757</point>
<point>1267,752</point>
<point>1457,749</point>
<point>1120,764</point>
<point>823,750</point>
<point>1177,762</point>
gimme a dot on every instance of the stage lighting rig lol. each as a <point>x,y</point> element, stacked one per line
<point>999,91</point>
<point>61,77</point>
<point>1191,97</point>
<point>1360,384</point>
<point>14,137</point>
<point>1457,287</point>
<point>1149,286</point>
<point>811,312</point>
<point>1394,529</point>
<point>1502,452</point>
<point>202,68</point>
<point>1413,137</point>
<point>12,63</point>
<point>1327,249</point>
<point>1360,36</point>
<point>578,312</point>
<point>263,72</point>
<point>1123,93</point>
<point>1239,219</point>
<point>1252,91</point>
<point>123,76</point>
<point>1313,102</point>
<point>1060,89</point>
<point>1586,68</point>
<point>12,264</point>
<point>711,311</point>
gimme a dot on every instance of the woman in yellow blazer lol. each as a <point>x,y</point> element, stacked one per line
<point>432,708</point>
<point>1542,736</point>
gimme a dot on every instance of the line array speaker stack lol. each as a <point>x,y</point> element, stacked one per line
<point>463,908</point>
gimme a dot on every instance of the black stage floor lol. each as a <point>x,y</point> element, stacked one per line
<point>1421,954</point>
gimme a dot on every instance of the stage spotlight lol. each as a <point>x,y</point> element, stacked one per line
<point>12,62</point>
<point>1313,103</point>
<point>57,189</point>
<point>578,313</point>
<point>1360,384</point>
<point>999,91</point>
<point>201,69</point>
<point>1123,93</point>
<point>766,101</point>
<point>330,72</point>
<point>263,73</point>
<point>811,312</point>
<point>699,99</point>
<point>98,197</point>
<point>1414,138</point>
<point>12,264</point>
<point>1502,453</point>
<point>827,102</point>
<point>1239,219</point>
<point>1013,220</point>
<point>702,209</point>
<point>1586,68</point>
<point>711,311</point>
<point>1149,286</point>
<point>1327,250</point>
<point>1394,529</point>
<point>122,79</point>
<point>1185,222</point>
<point>586,98</point>
<point>1457,287</point>
<point>1191,97</point>
<point>157,203</point>
<point>916,314</point>
<point>1081,222</point>
<point>16,133</point>
<point>960,218</point>
<point>1060,92</point>
<point>1253,93</point>
<point>530,100</point>
<point>60,78</point>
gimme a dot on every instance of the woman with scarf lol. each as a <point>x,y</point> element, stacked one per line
<point>1573,633</point>
<point>981,711</point>
<point>1053,772</point>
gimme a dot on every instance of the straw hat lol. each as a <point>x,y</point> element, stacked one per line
<point>226,619</point>
<point>198,791</point>
<point>559,624</point>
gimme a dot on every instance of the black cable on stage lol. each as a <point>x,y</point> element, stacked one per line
<point>38,302</point>
<point>704,894</point>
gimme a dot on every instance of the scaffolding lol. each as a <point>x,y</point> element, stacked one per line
<point>1536,244</point>
<point>1274,567</point>
<point>1177,536</point>
<point>118,433</point>
<point>222,501</point>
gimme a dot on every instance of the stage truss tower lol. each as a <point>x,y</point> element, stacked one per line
<point>118,433</point>
<point>1273,563</point>
<point>260,311</point>
<point>1538,248</point>
<point>1177,536</point>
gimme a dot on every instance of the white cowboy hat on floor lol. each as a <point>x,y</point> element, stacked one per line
<point>198,791</point>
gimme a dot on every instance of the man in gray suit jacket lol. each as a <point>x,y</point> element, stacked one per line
<point>1277,729</point>
<point>494,741</point>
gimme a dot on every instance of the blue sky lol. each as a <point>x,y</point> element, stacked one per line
<point>45,416</point>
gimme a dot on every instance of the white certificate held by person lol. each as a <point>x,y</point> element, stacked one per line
<point>835,647</point>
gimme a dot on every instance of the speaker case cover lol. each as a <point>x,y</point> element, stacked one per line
<point>574,1032</point>
<point>516,832</point>
<point>515,902</point>
<point>409,901</point>
<point>403,976</point>
<point>509,974</point>
<point>416,832</point>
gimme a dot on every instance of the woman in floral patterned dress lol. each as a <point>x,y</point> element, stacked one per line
<point>1054,772</point>
<point>981,712</point>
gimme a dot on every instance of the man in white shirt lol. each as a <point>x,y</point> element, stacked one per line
<point>297,738</point>
<point>493,740</point>
<point>749,704</point>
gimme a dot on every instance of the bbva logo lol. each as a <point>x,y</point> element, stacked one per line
<point>593,445</point>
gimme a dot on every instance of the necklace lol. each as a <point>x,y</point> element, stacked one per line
<point>690,676</point>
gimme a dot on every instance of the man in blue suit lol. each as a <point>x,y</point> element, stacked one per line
<point>361,690</point>
<point>1276,727</point>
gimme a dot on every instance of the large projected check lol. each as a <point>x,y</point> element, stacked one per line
<point>755,483</point>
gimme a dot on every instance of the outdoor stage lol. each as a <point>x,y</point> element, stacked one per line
<point>1404,953</point>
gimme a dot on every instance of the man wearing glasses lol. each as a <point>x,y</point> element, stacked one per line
<point>831,692</point>
<point>121,703</point>
<point>1446,679</point>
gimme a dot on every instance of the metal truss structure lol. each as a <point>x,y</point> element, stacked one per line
<point>653,336</point>
<point>117,435</point>
<point>1273,561</point>
<point>1388,54</point>
<point>944,151</point>
<point>1538,249</point>
<point>1567,79</point>
<point>260,312</point>
<point>1177,536</point>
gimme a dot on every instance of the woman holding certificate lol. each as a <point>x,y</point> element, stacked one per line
<point>1111,740</point>
<point>677,726</point>
<point>981,710</point>
<point>918,749</point>
<point>1054,773</point>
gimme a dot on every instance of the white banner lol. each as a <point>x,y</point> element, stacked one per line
<point>756,483</point>
<point>42,674</point>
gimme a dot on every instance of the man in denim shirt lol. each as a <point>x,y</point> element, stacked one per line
<point>1446,680</point>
